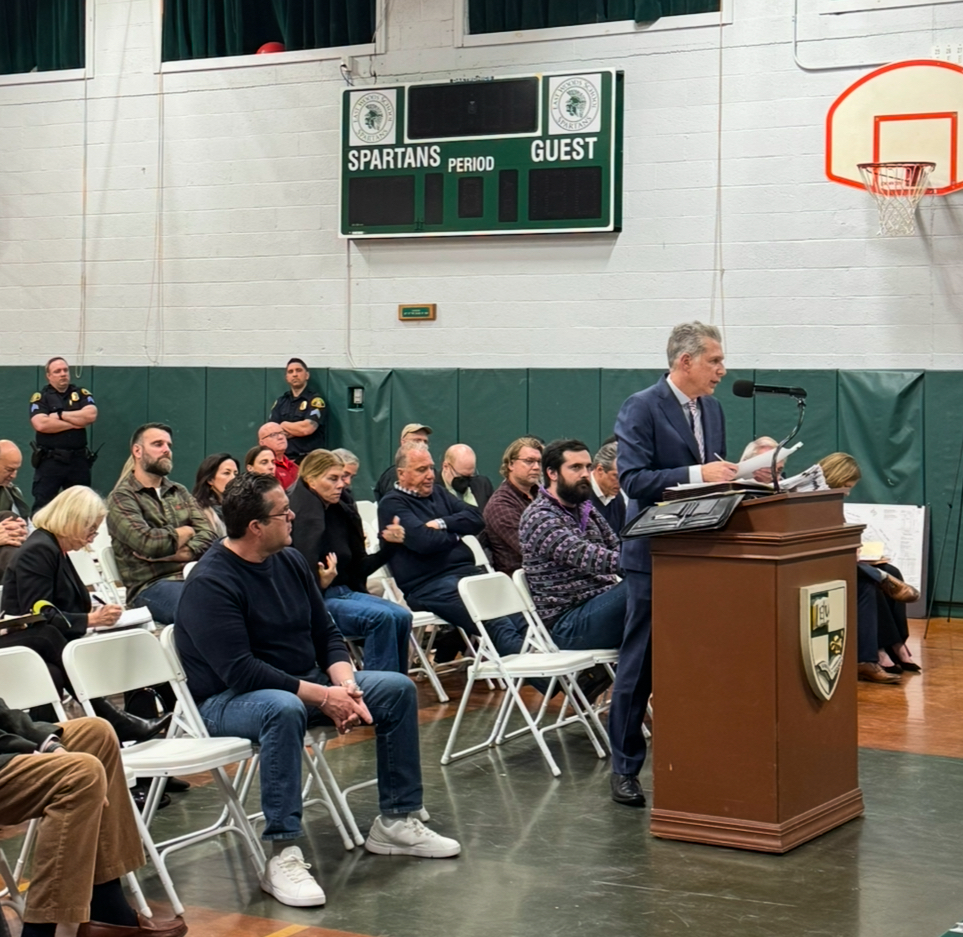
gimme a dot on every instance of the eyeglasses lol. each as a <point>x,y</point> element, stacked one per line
<point>270,435</point>
<point>529,461</point>
<point>285,513</point>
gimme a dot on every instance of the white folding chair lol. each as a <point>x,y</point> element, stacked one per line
<point>320,776</point>
<point>493,595</point>
<point>107,664</point>
<point>481,557</point>
<point>26,683</point>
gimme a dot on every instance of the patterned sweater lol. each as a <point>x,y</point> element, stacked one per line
<point>570,555</point>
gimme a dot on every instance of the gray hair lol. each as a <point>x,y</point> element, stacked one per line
<point>757,446</point>
<point>689,338</point>
<point>606,456</point>
<point>401,456</point>
<point>346,456</point>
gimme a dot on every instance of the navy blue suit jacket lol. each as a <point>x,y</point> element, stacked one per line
<point>656,448</point>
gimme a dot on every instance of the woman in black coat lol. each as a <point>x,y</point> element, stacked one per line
<point>328,532</point>
<point>41,575</point>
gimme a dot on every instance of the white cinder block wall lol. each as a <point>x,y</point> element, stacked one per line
<point>211,209</point>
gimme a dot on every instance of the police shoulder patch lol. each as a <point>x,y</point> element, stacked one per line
<point>84,391</point>
<point>35,398</point>
<point>317,402</point>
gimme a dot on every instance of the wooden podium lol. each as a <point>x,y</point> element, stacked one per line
<point>745,753</point>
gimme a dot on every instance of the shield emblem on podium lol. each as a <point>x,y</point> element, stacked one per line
<point>822,632</point>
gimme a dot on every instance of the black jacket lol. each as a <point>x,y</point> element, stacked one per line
<point>311,537</point>
<point>41,570</point>
<point>20,735</point>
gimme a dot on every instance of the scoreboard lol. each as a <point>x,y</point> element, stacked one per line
<point>521,155</point>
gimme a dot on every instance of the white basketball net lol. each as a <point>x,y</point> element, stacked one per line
<point>897,188</point>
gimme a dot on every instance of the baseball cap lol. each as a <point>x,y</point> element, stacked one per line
<point>415,428</point>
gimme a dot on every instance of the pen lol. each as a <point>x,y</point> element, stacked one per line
<point>719,457</point>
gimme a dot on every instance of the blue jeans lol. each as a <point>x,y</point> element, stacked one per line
<point>161,599</point>
<point>441,597</point>
<point>277,721</point>
<point>384,626</point>
<point>597,623</point>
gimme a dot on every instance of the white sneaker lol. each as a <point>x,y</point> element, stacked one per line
<point>286,877</point>
<point>409,837</point>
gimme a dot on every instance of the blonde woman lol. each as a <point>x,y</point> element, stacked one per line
<point>41,571</point>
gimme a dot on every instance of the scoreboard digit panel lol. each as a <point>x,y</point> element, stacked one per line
<point>520,155</point>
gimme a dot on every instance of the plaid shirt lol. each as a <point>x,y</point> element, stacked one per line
<point>142,521</point>
<point>502,514</point>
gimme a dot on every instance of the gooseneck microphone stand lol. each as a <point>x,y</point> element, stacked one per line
<point>801,404</point>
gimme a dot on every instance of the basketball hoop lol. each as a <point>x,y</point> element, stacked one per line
<point>897,188</point>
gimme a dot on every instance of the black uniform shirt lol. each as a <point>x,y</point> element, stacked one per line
<point>306,406</point>
<point>50,402</point>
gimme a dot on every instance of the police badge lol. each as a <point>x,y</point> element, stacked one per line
<point>822,632</point>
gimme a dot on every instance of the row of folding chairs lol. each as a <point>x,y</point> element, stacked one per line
<point>111,663</point>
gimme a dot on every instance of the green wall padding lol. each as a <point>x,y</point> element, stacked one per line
<point>492,412</point>
<point>616,385</point>
<point>776,415</point>
<point>122,405</point>
<point>367,433</point>
<point>564,403</point>
<point>429,396</point>
<point>178,397</point>
<point>17,385</point>
<point>881,425</point>
<point>235,401</point>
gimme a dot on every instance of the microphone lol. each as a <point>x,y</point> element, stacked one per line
<point>749,388</point>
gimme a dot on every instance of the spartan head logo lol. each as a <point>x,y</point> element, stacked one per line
<point>574,104</point>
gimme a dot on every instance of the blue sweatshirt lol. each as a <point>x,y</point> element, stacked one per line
<point>426,552</point>
<point>253,626</point>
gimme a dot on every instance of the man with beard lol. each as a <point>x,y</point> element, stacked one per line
<point>157,528</point>
<point>571,555</point>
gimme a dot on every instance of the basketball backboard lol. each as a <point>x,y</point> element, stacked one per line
<point>906,112</point>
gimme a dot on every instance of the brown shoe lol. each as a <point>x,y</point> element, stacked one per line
<point>898,590</point>
<point>146,927</point>
<point>871,673</point>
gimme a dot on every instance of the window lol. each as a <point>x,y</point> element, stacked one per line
<point>495,16</point>
<point>42,36</point>
<point>201,29</point>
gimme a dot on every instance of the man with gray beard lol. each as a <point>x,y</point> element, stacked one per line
<point>156,526</point>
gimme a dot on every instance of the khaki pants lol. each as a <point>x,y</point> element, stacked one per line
<point>80,842</point>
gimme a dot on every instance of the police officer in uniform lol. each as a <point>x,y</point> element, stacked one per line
<point>302,414</point>
<point>60,414</point>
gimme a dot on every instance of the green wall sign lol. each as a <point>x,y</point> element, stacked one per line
<point>523,155</point>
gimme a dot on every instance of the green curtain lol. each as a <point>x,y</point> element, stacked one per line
<point>494,16</point>
<point>196,29</point>
<point>45,35</point>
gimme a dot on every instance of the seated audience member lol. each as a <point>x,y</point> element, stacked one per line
<point>13,508</point>
<point>432,558</point>
<point>758,447</point>
<point>412,433</point>
<point>259,459</point>
<point>329,535</point>
<point>351,466</point>
<point>571,555</point>
<point>606,491</point>
<point>272,436</point>
<point>156,526</point>
<point>522,470</point>
<point>458,474</point>
<point>41,571</point>
<point>881,597</point>
<point>265,670</point>
<point>213,475</point>
<point>72,776</point>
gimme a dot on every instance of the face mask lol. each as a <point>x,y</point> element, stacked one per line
<point>460,483</point>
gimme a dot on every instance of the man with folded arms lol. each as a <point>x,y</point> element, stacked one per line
<point>264,661</point>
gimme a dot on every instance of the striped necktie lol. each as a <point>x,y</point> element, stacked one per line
<point>697,429</point>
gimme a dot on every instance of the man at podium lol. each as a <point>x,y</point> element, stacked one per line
<point>668,434</point>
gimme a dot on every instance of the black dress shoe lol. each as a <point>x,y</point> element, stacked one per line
<point>627,790</point>
<point>130,728</point>
<point>177,786</point>
<point>139,793</point>
<point>594,682</point>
